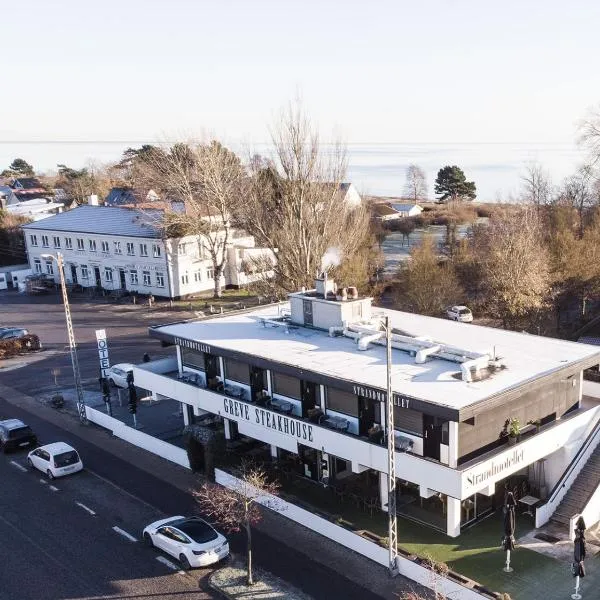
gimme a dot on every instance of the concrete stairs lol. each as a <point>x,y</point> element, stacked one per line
<point>584,485</point>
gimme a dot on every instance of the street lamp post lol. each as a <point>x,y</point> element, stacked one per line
<point>72,345</point>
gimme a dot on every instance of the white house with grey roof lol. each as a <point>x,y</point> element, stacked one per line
<point>125,249</point>
<point>477,410</point>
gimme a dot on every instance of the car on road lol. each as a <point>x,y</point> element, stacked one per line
<point>191,540</point>
<point>55,460</point>
<point>14,434</point>
<point>11,333</point>
<point>117,374</point>
<point>460,313</point>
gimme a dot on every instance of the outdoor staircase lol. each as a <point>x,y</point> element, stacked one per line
<point>584,485</point>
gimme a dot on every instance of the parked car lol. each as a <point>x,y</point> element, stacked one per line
<point>14,434</point>
<point>55,459</point>
<point>117,374</point>
<point>10,333</point>
<point>190,540</point>
<point>460,313</point>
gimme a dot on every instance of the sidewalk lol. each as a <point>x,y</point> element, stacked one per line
<point>347,563</point>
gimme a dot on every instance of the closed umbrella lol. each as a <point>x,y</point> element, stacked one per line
<point>508,540</point>
<point>579,549</point>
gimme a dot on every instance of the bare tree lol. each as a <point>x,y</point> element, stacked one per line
<point>416,184</point>
<point>428,284</point>
<point>240,509</point>
<point>208,178</point>
<point>579,191</point>
<point>589,135</point>
<point>294,205</point>
<point>514,264</point>
<point>537,187</point>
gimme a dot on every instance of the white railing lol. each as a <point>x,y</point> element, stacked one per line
<point>589,444</point>
<point>349,539</point>
<point>137,438</point>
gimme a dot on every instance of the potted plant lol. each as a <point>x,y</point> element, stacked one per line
<point>537,424</point>
<point>514,428</point>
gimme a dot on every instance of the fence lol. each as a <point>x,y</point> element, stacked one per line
<point>137,438</point>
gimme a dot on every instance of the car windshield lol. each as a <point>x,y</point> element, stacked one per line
<point>464,311</point>
<point>64,459</point>
<point>20,432</point>
<point>198,530</point>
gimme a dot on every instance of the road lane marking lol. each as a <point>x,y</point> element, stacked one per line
<point>86,508</point>
<point>167,562</point>
<point>43,481</point>
<point>53,488</point>
<point>124,534</point>
<point>20,467</point>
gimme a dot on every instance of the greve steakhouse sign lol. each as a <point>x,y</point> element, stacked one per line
<point>259,416</point>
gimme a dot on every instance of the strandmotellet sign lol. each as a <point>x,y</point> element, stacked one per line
<point>495,467</point>
<point>380,396</point>
<point>260,416</point>
<point>198,346</point>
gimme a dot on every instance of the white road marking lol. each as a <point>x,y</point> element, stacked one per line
<point>43,481</point>
<point>86,508</point>
<point>124,534</point>
<point>20,467</point>
<point>167,562</point>
<point>53,488</point>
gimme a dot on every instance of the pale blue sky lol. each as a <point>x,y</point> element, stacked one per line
<point>374,71</point>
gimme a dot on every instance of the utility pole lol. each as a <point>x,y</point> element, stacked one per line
<point>391,446</point>
<point>71,335</point>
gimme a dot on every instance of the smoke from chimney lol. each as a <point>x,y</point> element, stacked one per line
<point>331,258</point>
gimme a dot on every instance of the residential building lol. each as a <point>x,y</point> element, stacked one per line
<point>308,380</point>
<point>407,210</point>
<point>124,249</point>
<point>28,205</point>
<point>384,212</point>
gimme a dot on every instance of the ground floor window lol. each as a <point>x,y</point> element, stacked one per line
<point>37,264</point>
<point>146,278</point>
<point>197,276</point>
<point>185,278</point>
<point>49,267</point>
<point>108,274</point>
<point>133,277</point>
<point>160,280</point>
<point>84,272</point>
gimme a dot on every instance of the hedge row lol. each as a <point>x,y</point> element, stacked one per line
<point>10,348</point>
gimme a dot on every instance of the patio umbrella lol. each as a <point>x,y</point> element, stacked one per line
<point>578,556</point>
<point>508,540</point>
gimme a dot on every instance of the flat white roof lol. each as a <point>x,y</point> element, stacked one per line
<point>526,357</point>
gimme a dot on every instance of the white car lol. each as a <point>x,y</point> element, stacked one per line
<point>192,541</point>
<point>460,313</point>
<point>55,459</point>
<point>117,374</point>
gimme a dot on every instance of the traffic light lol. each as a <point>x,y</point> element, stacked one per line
<point>132,400</point>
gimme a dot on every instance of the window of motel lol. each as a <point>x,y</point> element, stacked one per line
<point>408,420</point>
<point>286,385</point>
<point>237,370</point>
<point>192,358</point>
<point>343,402</point>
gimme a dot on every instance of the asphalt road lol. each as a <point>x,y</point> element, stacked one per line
<point>54,548</point>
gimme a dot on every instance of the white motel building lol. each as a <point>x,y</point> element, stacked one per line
<point>307,379</point>
<point>124,249</point>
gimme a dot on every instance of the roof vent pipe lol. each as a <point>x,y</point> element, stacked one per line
<point>343,295</point>
<point>353,292</point>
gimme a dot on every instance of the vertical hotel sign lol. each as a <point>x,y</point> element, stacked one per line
<point>102,351</point>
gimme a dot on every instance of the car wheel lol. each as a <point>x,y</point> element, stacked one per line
<point>29,463</point>
<point>148,540</point>
<point>50,474</point>
<point>112,383</point>
<point>185,563</point>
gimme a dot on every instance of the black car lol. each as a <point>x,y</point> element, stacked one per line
<point>14,434</point>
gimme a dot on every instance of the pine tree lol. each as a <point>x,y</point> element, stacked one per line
<point>451,185</point>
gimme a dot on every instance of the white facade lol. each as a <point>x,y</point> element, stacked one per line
<point>408,210</point>
<point>144,264</point>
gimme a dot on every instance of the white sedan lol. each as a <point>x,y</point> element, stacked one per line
<point>117,374</point>
<point>55,459</point>
<point>192,541</point>
<point>460,313</point>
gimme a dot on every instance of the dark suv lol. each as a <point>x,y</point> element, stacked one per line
<point>14,434</point>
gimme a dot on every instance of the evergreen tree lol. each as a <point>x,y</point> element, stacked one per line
<point>18,168</point>
<point>451,184</point>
